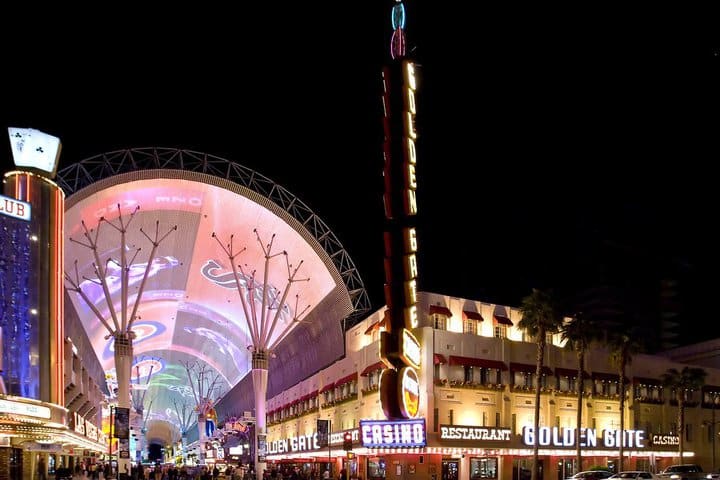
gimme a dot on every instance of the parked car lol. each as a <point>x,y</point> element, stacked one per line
<point>635,475</point>
<point>591,475</point>
<point>685,471</point>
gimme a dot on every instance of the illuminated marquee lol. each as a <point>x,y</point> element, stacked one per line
<point>392,434</point>
<point>565,437</point>
<point>26,409</point>
<point>14,208</point>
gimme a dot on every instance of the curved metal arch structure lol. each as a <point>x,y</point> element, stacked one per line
<point>90,170</point>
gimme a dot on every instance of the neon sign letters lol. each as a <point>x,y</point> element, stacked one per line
<point>388,433</point>
<point>565,437</point>
<point>14,208</point>
<point>459,432</point>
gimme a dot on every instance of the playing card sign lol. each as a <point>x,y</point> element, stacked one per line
<point>34,149</point>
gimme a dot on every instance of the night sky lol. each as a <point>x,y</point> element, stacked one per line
<point>570,149</point>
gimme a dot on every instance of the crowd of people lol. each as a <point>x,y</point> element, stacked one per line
<point>102,471</point>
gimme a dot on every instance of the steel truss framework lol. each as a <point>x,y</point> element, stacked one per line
<point>90,170</point>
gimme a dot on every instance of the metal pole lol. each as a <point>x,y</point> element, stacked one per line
<point>713,431</point>
<point>329,447</point>
<point>112,425</point>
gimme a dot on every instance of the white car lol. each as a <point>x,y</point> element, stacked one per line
<point>591,475</point>
<point>635,475</point>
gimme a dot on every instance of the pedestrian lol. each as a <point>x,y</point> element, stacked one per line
<point>41,469</point>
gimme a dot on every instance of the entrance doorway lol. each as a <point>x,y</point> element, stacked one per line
<point>450,469</point>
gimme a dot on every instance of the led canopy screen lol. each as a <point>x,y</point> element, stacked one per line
<point>191,311</point>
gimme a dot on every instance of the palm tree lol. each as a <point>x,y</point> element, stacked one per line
<point>689,378</point>
<point>539,317</point>
<point>578,333</point>
<point>623,344</point>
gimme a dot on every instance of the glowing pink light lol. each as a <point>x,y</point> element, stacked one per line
<point>397,44</point>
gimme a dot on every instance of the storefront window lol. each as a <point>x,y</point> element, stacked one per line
<point>375,468</point>
<point>483,467</point>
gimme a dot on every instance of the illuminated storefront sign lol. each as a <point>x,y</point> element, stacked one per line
<point>409,392</point>
<point>459,432</point>
<point>305,443</point>
<point>34,149</point>
<point>79,424</point>
<point>293,444</point>
<point>26,409</point>
<point>565,437</point>
<point>14,208</point>
<point>399,349</point>
<point>665,440</point>
<point>389,433</point>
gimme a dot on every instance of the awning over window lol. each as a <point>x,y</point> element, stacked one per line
<point>608,377</point>
<point>326,388</point>
<point>372,327</point>
<point>712,389</point>
<point>309,395</point>
<point>529,368</point>
<point>645,381</point>
<point>439,359</point>
<point>569,372</point>
<point>372,368</point>
<point>472,315</point>
<point>503,320</point>
<point>439,309</point>
<point>346,379</point>
<point>476,362</point>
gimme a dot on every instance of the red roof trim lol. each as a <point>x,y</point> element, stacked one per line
<point>439,359</point>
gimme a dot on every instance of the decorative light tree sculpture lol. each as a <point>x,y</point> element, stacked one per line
<point>262,324</point>
<point>184,413</point>
<point>121,327</point>
<point>206,387</point>
<point>143,373</point>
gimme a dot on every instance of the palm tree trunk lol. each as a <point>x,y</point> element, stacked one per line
<point>621,451</point>
<point>580,388</point>
<point>681,425</point>
<point>538,372</point>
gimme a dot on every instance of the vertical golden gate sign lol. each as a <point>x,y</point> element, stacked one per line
<point>399,349</point>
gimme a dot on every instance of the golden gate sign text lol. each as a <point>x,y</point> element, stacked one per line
<point>400,350</point>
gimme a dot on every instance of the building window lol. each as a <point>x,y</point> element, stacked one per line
<point>688,432</point>
<point>483,467</point>
<point>497,419</point>
<point>470,326</point>
<point>468,374</point>
<point>439,322</point>
<point>500,331</point>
